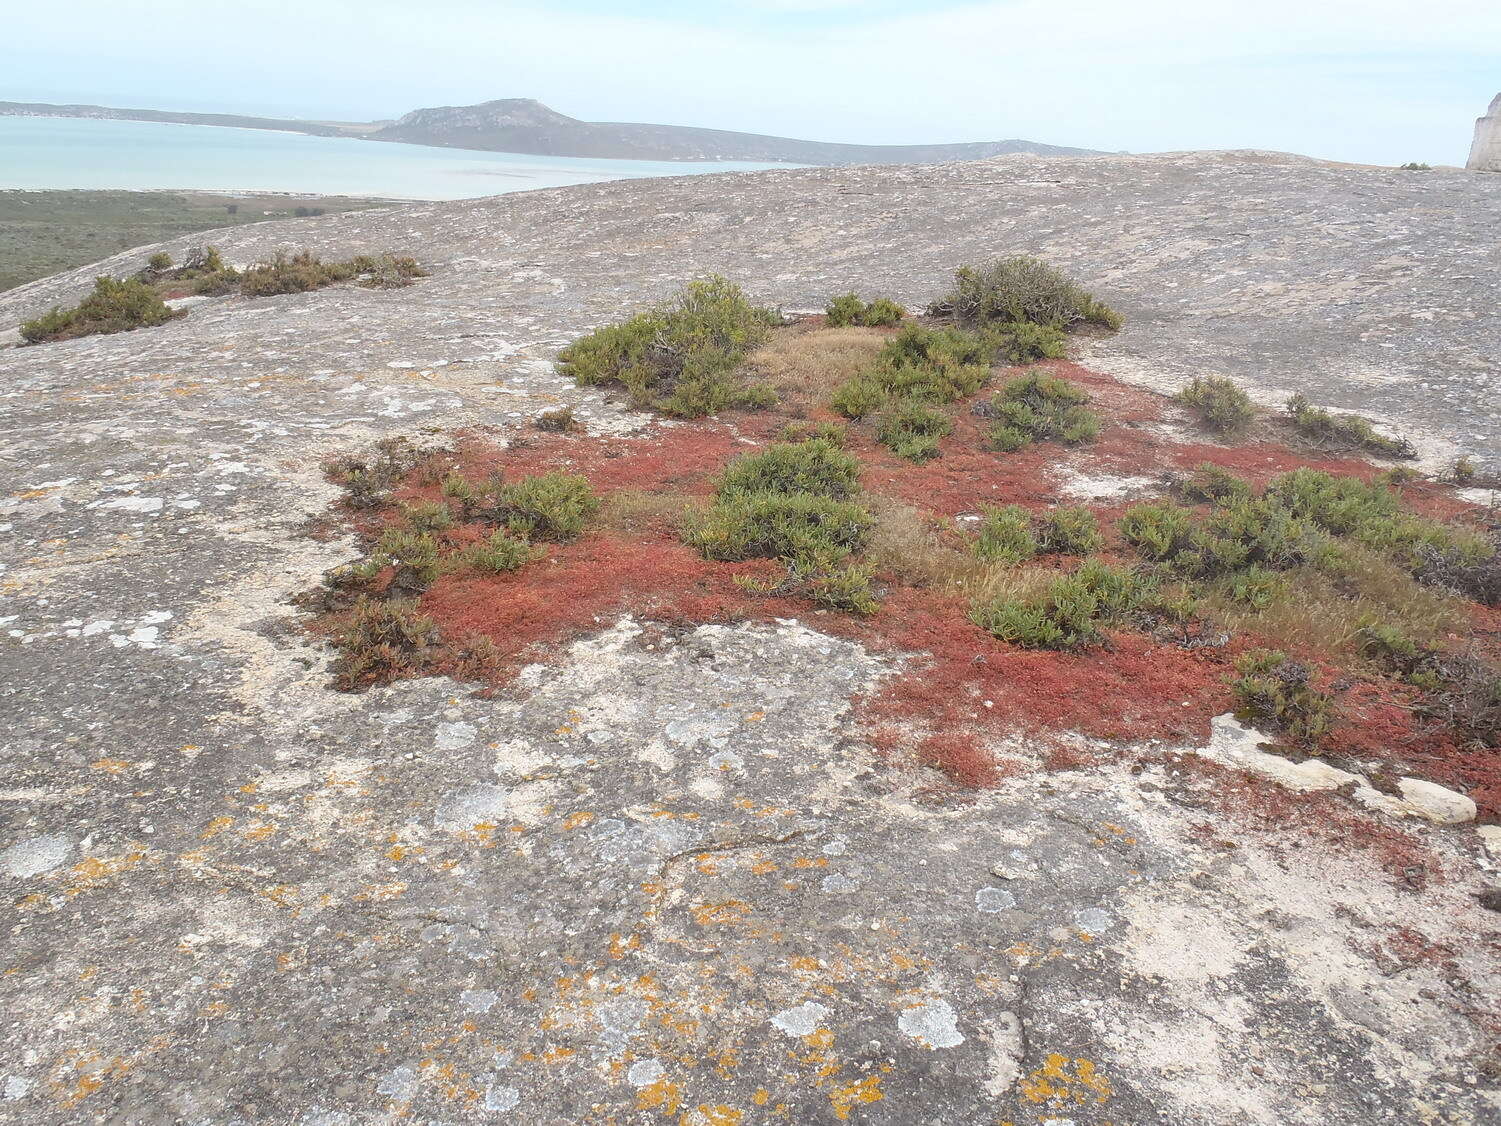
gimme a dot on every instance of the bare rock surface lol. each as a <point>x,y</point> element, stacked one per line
<point>1485,151</point>
<point>664,879</point>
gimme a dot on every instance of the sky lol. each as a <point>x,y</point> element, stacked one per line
<point>1375,81</point>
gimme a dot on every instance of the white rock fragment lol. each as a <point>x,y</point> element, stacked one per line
<point>1437,803</point>
<point>35,856</point>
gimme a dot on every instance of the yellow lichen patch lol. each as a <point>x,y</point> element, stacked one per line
<point>110,765</point>
<point>804,964</point>
<point>763,867</point>
<point>380,893</point>
<point>578,820</point>
<point>846,1098</point>
<point>707,866</point>
<point>1060,1082</point>
<point>482,834</point>
<point>283,895</point>
<point>620,945</point>
<point>761,1097</point>
<point>215,827</point>
<point>714,1116</point>
<point>728,913</point>
<point>260,831</point>
<point>662,1095</point>
<point>91,871</point>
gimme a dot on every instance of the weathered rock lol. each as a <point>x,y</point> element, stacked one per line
<point>1485,152</point>
<point>1438,804</point>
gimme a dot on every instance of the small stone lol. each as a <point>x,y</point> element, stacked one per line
<point>1437,803</point>
<point>1490,899</point>
<point>1002,872</point>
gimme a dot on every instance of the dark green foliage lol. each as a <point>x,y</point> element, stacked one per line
<point>1211,483</point>
<point>850,310</point>
<point>1255,587</point>
<point>1463,471</point>
<point>787,526</point>
<point>415,555</point>
<point>1414,166</point>
<point>114,306</point>
<point>681,358</point>
<point>427,516</point>
<point>1222,406</point>
<point>1041,407</point>
<point>1021,289</point>
<point>1277,692</point>
<point>501,552</point>
<point>1238,534</point>
<point>1068,531</point>
<point>159,261</point>
<point>380,641</point>
<point>1021,342</point>
<point>1006,535</point>
<point>297,273</point>
<point>814,466</point>
<point>1065,613</point>
<point>1343,431</point>
<point>549,506</point>
<point>911,430</point>
<point>858,397</point>
<point>1160,531</point>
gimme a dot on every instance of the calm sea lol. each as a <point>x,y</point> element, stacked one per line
<point>60,152</point>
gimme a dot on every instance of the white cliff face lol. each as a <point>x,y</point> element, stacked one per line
<point>1485,153</point>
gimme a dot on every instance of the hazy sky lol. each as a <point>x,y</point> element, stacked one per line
<point>1383,81</point>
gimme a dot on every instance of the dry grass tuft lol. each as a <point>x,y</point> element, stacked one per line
<point>804,367</point>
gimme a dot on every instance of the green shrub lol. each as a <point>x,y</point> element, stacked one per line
<point>1006,535</point>
<point>298,273</point>
<point>814,466</point>
<point>1068,531</point>
<point>427,516</point>
<point>1343,431</point>
<point>549,506</point>
<point>386,271</point>
<point>1210,483</point>
<point>844,311</point>
<point>1021,289</point>
<point>1039,407</point>
<point>1021,342</point>
<point>415,555</point>
<point>1221,405</point>
<point>368,479</point>
<point>773,525</point>
<point>114,306</point>
<point>681,358</point>
<point>1414,166</point>
<point>858,396</point>
<point>1463,471</point>
<point>1065,613</point>
<point>1276,692</point>
<point>1160,530</point>
<point>379,641</point>
<point>830,432</point>
<point>501,552</point>
<point>1255,587</point>
<point>159,262</point>
<point>850,310</point>
<point>911,430</point>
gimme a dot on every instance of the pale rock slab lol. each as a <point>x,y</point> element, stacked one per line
<point>1485,153</point>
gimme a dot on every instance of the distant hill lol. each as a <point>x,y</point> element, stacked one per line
<point>525,125</point>
<point>522,125</point>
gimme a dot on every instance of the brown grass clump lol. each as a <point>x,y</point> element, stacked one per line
<point>804,367</point>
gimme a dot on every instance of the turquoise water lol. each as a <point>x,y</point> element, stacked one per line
<point>62,152</point>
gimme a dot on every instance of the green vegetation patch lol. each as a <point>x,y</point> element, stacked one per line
<point>797,503</point>
<point>114,306</point>
<point>1276,692</point>
<point>912,430</point>
<point>850,310</point>
<point>1021,289</point>
<point>1038,407</point>
<point>683,358</point>
<point>304,271</point>
<point>1332,431</point>
<point>1220,404</point>
<point>1063,612</point>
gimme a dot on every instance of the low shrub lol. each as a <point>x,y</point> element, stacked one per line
<point>386,271</point>
<point>1332,431</point>
<point>1210,483</point>
<point>1463,471</point>
<point>1041,407</point>
<point>1021,342</point>
<point>297,273</point>
<point>1021,289</point>
<point>1160,530</point>
<point>912,430</point>
<point>380,641</point>
<point>1221,406</point>
<point>858,396</point>
<point>1276,692</point>
<point>1414,166</point>
<point>427,515</point>
<point>415,555</point>
<point>830,432</point>
<point>114,306</point>
<point>816,466</point>
<point>1068,531</point>
<point>1064,613</point>
<point>793,527</point>
<point>558,420</point>
<point>549,506</point>
<point>501,552</point>
<point>1006,535</point>
<point>368,479</point>
<point>850,310</point>
<point>681,358</point>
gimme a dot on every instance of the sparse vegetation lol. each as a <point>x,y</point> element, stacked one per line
<point>1414,166</point>
<point>1021,289</point>
<point>368,480</point>
<point>1277,692</point>
<point>1221,405</point>
<point>1061,612</point>
<point>1040,407</point>
<point>850,310</point>
<point>911,430</point>
<point>380,640</point>
<point>295,273</point>
<point>559,420</point>
<point>114,306</point>
<point>549,506</point>
<point>681,358</point>
<point>1332,431</point>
